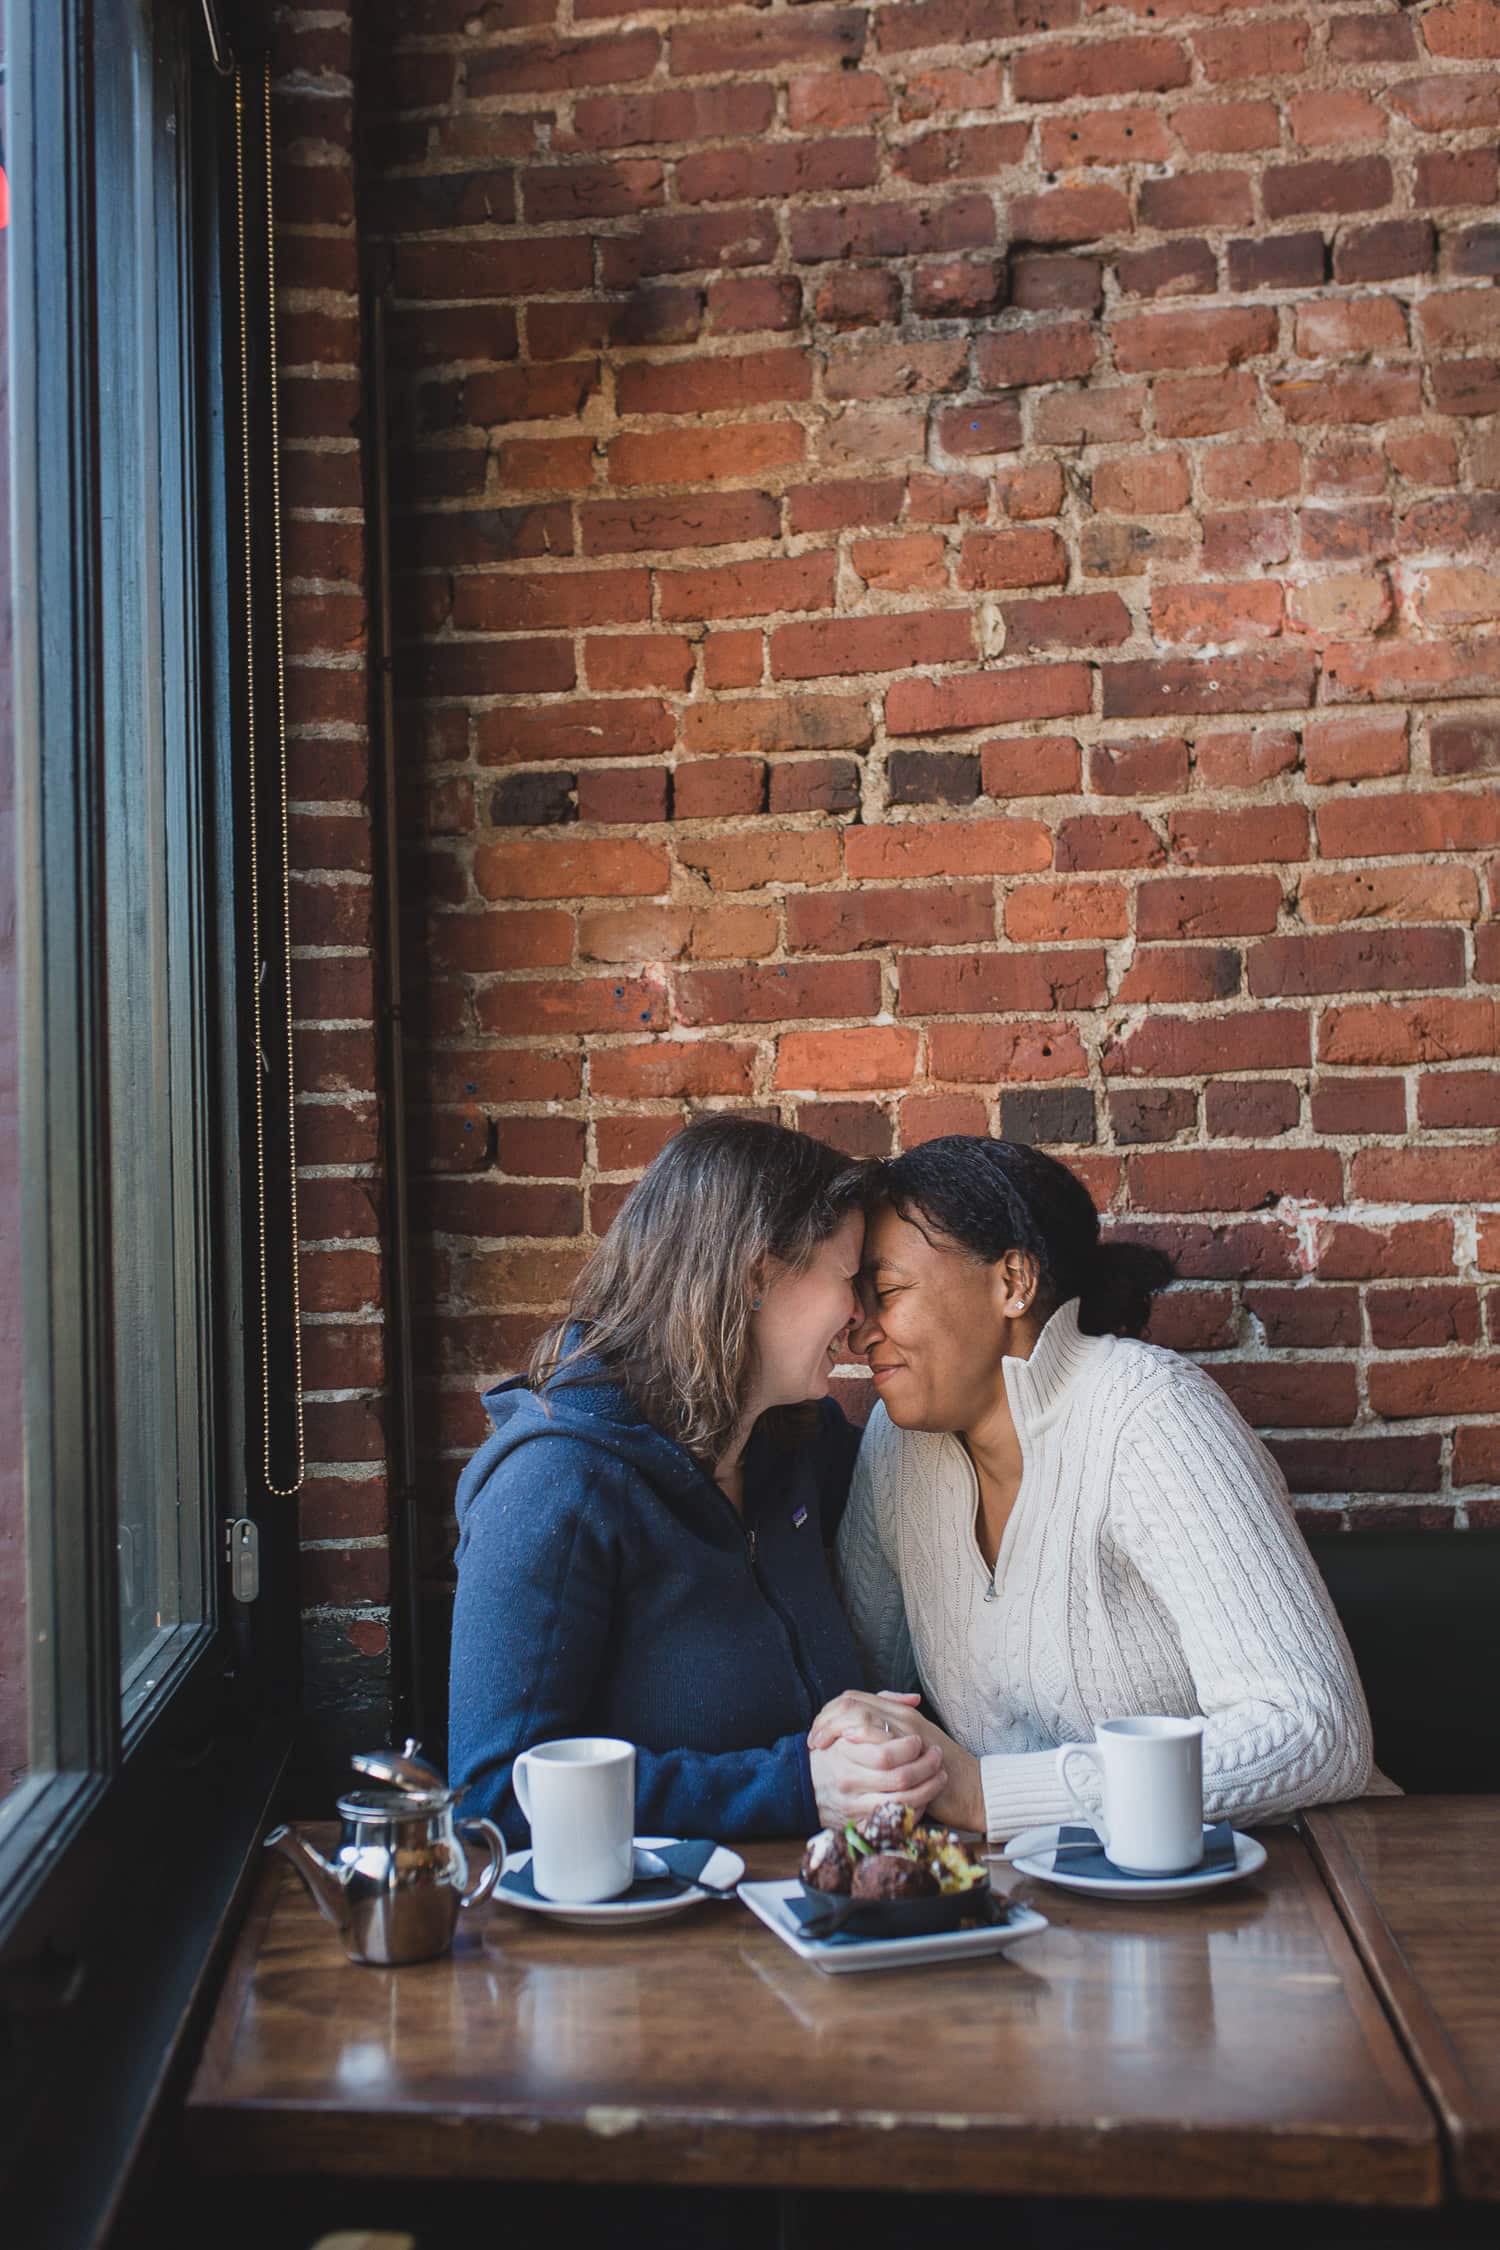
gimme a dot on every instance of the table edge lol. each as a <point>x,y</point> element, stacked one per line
<point>1398,2166</point>
<point>852,2151</point>
<point>1472,2152</point>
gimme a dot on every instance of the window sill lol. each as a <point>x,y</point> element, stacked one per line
<point>96,2026</point>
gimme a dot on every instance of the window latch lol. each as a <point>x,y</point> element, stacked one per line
<point>242,1553</point>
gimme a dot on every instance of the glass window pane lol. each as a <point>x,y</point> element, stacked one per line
<point>15,1693</point>
<point>149,816</point>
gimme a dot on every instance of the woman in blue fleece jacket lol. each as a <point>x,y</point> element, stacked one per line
<point>642,1540</point>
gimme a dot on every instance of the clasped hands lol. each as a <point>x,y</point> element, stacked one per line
<point>864,1748</point>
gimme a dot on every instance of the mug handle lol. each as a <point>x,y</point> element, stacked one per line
<point>478,1827</point>
<point>519,1785</point>
<point>1086,1751</point>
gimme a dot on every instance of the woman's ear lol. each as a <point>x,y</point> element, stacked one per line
<point>1017,1276</point>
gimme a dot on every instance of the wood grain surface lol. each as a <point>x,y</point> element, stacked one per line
<point>1224,2046</point>
<point>1418,1882</point>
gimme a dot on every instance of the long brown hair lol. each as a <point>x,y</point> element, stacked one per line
<point>664,1303</point>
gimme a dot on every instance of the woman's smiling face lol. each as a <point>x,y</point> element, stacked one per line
<point>801,1331</point>
<point>934,1325</point>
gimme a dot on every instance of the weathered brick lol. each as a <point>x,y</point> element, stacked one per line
<point>1048,1116</point>
<point>1368,960</point>
<point>1149,484</point>
<point>704,456</point>
<point>995,560</point>
<point>932,777</point>
<point>1172,269</point>
<point>825,785</point>
<point>796,992</point>
<point>904,850</point>
<point>1255,472</point>
<point>1421,1031</point>
<point>856,921</point>
<point>1233,1180</point>
<point>1036,355</point>
<point>1387,252</point>
<point>980,699</point>
<point>1148,341</point>
<point>1095,67</point>
<point>1153,768</point>
<point>1201,1046</point>
<point>1268,680</point>
<point>870,644</point>
<point>1196,199</point>
<point>1031,766</point>
<point>1070,214</point>
<point>1198,906</point>
<point>747,589</point>
<point>611,727</point>
<point>575,869</point>
<point>856,1058</point>
<point>702,385</point>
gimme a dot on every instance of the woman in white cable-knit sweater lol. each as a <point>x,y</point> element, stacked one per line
<point>1052,1525</point>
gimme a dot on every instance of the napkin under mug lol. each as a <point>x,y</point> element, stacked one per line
<point>687,1862</point>
<point>1218,1853</point>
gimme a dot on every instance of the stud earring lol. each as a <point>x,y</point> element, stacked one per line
<point>755,1304</point>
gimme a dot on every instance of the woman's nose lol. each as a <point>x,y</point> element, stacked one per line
<point>865,1331</point>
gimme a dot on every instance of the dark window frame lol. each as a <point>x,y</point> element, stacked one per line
<point>120,1869</point>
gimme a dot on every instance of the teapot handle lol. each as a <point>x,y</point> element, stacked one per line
<point>486,1828</point>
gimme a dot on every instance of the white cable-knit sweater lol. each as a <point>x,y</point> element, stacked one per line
<point>1151,1563</point>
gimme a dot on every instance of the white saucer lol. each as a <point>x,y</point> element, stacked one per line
<point>1032,1853</point>
<point>765,1901</point>
<point>724,1867</point>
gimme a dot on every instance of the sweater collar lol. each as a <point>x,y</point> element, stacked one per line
<point>1038,1387</point>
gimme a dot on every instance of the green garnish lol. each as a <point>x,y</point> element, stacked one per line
<point>856,1843</point>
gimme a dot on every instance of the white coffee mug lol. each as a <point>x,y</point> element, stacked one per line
<point>579,1797</point>
<point>1152,1771</point>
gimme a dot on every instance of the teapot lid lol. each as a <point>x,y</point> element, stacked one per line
<point>392,1804</point>
<point>401,1769</point>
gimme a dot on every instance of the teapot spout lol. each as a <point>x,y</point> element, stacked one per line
<point>321,1879</point>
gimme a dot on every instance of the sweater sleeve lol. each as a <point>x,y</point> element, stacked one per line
<point>537,1585</point>
<point>868,1577</point>
<point>1201,1509</point>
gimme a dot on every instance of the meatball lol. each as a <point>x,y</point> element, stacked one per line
<point>826,1863</point>
<point>889,1875</point>
<point>890,1827</point>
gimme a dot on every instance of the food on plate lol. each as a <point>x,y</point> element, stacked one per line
<point>826,1864</point>
<point>891,1854</point>
<point>958,1866</point>
<point>891,1826</point>
<point>892,1875</point>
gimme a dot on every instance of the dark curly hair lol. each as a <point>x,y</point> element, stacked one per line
<point>993,1196</point>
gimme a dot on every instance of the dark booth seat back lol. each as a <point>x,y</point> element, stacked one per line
<point>1422,1611</point>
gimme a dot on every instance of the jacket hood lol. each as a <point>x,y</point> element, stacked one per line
<point>594,1410</point>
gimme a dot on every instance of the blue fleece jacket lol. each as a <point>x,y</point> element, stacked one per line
<point>607,1586</point>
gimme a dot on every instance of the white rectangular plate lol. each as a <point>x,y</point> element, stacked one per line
<point>765,1902</point>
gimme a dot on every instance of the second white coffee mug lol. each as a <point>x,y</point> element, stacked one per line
<point>1152,1771</point>
<point>579,1797</point>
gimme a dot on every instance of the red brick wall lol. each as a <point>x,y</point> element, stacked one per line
<point>947,582</point>
<point>343,1505</point>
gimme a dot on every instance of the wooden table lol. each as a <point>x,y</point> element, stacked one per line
<point>1416,1880</point>
<point>1226,2047</point>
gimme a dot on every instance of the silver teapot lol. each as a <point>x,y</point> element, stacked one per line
<point>399,1880</point>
